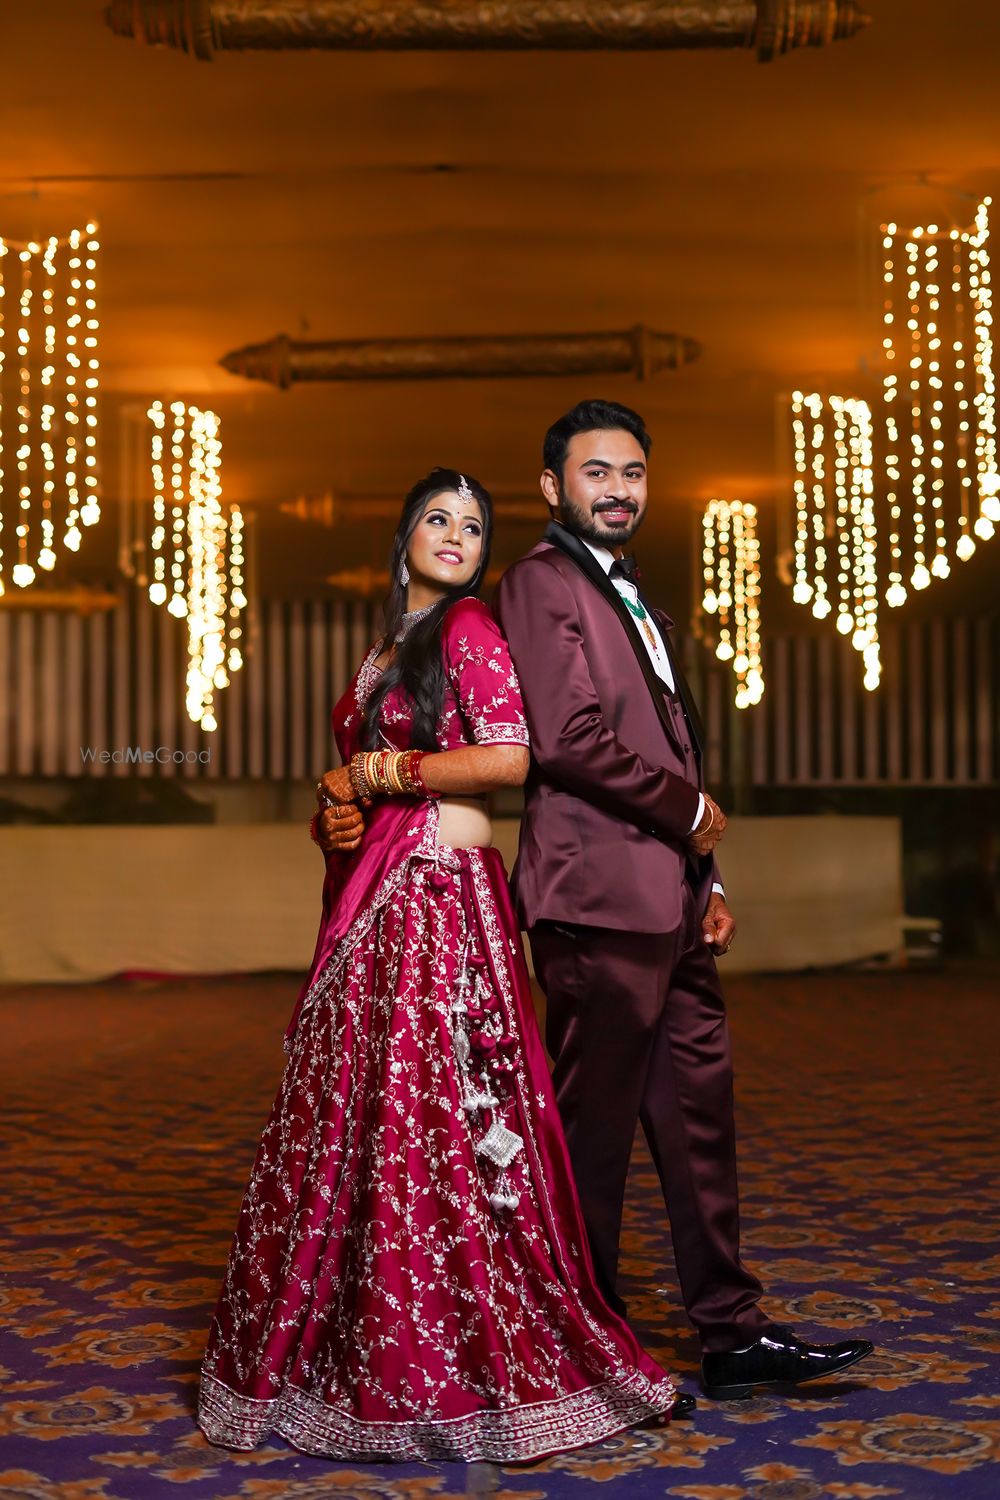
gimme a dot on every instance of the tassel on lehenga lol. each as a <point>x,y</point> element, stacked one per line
<point>486,1055</point>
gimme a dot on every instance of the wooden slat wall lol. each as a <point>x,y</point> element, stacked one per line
<point>935,721</point>
<point>116,679</point>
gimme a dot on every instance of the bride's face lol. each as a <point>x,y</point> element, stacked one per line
<point>447,541</point>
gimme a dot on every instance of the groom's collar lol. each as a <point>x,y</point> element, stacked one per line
<point>602,554</point>
<point>590,563</point>
<point>594,560</point>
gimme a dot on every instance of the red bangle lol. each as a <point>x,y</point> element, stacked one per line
<point>418,756</point>
<point>313,826</point>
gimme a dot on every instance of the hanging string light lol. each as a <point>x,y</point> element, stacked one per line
<point>934,279</point>
<point>207,579</point>
<point>980,283</point>
<point>71,414</point>
<point>731,572</point>
<point>23,573</point>
<point>91,510</point>
<point>205,542</point>
<point>237,598</point>
<point>178,512</point>
<point>4,252</point>
<point>964,546</point>
<point>54,287</point>
<point>833,487</point>
<point>860,518</point>
<point>158,586</point>
<point>810,485</point>
<point>46,556</point>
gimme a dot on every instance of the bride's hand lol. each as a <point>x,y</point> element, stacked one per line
<point>340,828</point>
<point>336,786</point>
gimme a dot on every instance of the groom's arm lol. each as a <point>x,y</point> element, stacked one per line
<point>569,738</point>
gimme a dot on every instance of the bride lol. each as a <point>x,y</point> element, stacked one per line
<point>410,1278</point>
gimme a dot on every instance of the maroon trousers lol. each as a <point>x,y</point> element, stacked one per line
<point>636,1027</point>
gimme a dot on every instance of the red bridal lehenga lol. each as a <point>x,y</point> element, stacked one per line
<point>409,1278</point>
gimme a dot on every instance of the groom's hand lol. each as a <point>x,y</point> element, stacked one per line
<point>340,828</point>
<point>717,925</point>
<point>711,828</point>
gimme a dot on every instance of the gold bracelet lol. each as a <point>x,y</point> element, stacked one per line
<point>359,774</point>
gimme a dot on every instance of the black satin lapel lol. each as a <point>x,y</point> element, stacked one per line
<point>584,559</point>
<point>588,564</point>
<point>691,711</point>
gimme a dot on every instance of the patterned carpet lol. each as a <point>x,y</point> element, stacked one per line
<point>869,1146</point>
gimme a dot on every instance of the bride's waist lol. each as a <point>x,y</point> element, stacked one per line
<point>464,823</point>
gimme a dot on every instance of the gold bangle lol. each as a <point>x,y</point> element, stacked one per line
<point>372,766</point>
<point>405,772</point>
<point>392,769</point>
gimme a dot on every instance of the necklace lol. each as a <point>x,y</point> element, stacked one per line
<point>369,673</point>
<point>641,615</point>
<point>408,621</point>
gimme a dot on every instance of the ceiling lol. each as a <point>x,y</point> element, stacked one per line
<point>350,195</point>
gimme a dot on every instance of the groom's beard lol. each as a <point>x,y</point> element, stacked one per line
<point>588,525</point>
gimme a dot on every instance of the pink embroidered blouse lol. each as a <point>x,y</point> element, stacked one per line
<point>482,704</point>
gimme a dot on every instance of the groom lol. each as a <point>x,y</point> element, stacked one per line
<point>617,886</point>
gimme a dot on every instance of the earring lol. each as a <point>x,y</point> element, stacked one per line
<point>404,575</point>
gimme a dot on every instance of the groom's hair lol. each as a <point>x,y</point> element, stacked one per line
<point>591,416</point>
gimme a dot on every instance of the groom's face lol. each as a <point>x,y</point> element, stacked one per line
<point>601,493</point>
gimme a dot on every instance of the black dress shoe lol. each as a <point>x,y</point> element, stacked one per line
<point>777,1358</point>
<point>684,1406</point>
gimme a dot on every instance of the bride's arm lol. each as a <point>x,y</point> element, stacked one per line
<point>488,697</point>
<point>474,769</point>
<point>471,770</point>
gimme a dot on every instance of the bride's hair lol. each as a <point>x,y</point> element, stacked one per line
<point>418,664</point>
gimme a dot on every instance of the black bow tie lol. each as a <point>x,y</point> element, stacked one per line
<point>624,567</point>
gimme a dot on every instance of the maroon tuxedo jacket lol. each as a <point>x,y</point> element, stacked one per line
<point>613,787</point>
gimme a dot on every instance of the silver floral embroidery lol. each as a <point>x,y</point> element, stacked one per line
<point>368,675</point>
<point>331,1058</point>
<point>471,1124</point>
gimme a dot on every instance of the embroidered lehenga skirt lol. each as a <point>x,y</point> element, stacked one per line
<point>409,1277</point>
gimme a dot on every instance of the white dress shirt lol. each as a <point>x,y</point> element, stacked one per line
<point>656,651</point>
